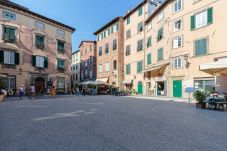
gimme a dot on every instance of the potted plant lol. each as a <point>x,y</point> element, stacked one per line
<point>200,96</point>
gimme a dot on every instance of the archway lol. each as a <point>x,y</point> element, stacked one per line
<point>39,84</point>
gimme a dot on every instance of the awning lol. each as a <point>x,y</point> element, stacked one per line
<point>157,66</point>
<point>219,67</point>
<point>86,83</point>
<point>127,82</point>
<point>102,80</point>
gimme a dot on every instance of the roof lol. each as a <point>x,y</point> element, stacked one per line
<point>158,10</point>
<point>26,10</point>
<point>107,25</point>
<point>75,52</point>
<point>135,8</point>
<point>88,41</point>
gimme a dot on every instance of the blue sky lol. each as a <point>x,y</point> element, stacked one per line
<point>85,15</point>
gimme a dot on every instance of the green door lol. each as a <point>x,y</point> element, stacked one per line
<point>177,88</point>
<point>140,88</point>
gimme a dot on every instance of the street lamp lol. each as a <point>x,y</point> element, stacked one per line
<point>187,64</point>
<point>20,71</point>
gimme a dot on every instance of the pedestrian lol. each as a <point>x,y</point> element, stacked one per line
<point>83,91</point>
<point>21,91</point>
<point>77,91</point>
<point>32,91</point>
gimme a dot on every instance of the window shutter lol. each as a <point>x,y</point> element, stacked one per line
<point>149,58</point>
<point>1,57</point>
<point>17,58</point>
<point>210,15</point>
<point>45,62</point>
<point>193,22</point>
<point>34,61</point>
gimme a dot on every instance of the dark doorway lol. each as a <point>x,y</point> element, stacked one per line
<point>39,85</point>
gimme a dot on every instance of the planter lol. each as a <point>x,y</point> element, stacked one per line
<point>201,105</point>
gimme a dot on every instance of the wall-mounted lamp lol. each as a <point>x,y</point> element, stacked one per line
<point>187,64</point>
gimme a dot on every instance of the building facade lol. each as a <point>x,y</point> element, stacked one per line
<point>186,43</point>
<point>88,61</point>
<point>33,50</point>
<point>135,45</point>
<point>110,49</point>
<point>76,68</point>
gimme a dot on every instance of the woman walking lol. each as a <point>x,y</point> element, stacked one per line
<point>32,90</point>
<point>21,91</point>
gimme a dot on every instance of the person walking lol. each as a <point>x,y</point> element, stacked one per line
<point>21,91</point>
<point>83,91</point>
<point>77,91</point>
<point>32,91</point>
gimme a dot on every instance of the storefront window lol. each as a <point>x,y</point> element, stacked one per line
<point>206,85</point>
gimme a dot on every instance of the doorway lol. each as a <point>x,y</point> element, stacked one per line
<point>140,88</point>
<point>177,88</point>
<point>39,85</point>
<point>161,88</point>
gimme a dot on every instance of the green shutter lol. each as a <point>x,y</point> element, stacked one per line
<point>17,58</point>
<point>128,69</point>
<point>193,22</point>
<point>45,62</point>
<point>34,61</point>
<point>12,34</point>
<point>210,15</point>
<point>117,26</point>
<point>139,67</point>
<point>1,57</point>
<point>140,11</point>
<point>149,58</point>
<point>160,54</point>
<point>200,47</point>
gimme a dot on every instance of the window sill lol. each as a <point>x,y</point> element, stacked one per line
<point>202,27</point>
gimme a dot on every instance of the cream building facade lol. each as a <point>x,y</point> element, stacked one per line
<point>33,50</point>
<point>76,67</point>
<point>187,48</point>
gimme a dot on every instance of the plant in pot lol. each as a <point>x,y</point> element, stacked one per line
<point>200,96</point>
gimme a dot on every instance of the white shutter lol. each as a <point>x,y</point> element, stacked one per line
<point>175,43</point>
<point>41,62</point>
<point>12,58</point>
<point>6,57</point>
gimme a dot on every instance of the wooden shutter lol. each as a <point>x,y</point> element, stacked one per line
<point>149,58</point>
<point>1,57</point>
<point>193,22</point>
<point>34,61</point>
<point>45,62</point>
<point>17,58</point>
<point>210,15</point>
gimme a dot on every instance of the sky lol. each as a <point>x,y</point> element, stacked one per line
<point>86,16</point>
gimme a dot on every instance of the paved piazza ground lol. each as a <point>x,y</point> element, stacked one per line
<point>108,123</point>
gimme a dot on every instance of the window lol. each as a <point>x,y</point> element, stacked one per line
<point>90,75</point>
<point>160,34</point>
<point>201,47</point>
<point>149,59</point>
<point>107,48</point>
<point>149,26</point>
<point>11,82</point>
<point>128,20</point>
<point>100,51</point>
<point>85,51</point>
<point>128,34</point>
<point>107,66</point>
<point>177,63</point>
<point>114,44</point>
<point>128,51</point>
<point>86,73</point>
<point>139,66</point>
<point>82,76</point>
<point>61,32</point>
<point>61,65</point>
<point>206,85</point>
<point>178,42</point>
<point>85,62</point>
<point>39,61</point>
<point>9,34</point>
<point>160,54</point>
<point>39,41</point>
<point>139,45</point>
<point>202,19</point>
<point>9,57</point>
<point>115,27</point>
<point>9,15</point>
<point>148,42</point>
<point>160,16</point>
<point>76,67</point>
<point>177,5</point>
<point>39,25</point>
<point>140,11</point>
<point>100,68</point>
<point>61,46</point>
<point>140,27</point>
<point>178,25</point>
<point>128,69</point>
<point>115,64</point>
<point>90,48</point>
